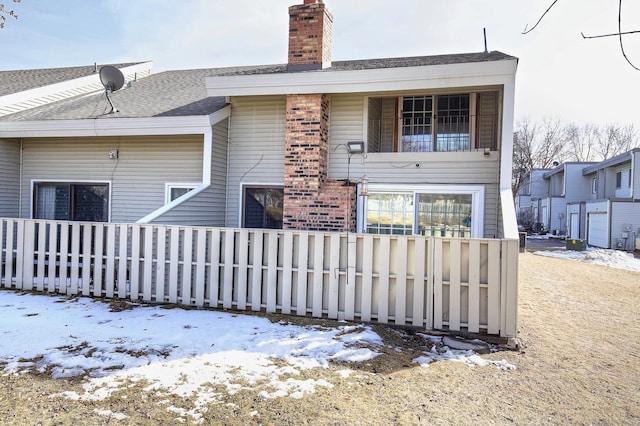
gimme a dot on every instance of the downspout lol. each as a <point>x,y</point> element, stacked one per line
<point>632,173</point>
<point>20,177</point>
<point>226,184</point>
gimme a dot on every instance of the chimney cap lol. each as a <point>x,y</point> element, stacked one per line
<point>312,1</point>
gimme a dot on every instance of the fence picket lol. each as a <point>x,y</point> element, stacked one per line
<point>401,281</point>
<point>86,259</point>
<point>474,286</point>
<point>350,285</point>
<point>334,275</point>
<point>161,264</point>
<point>42,254</point>
<point>318,275</point>
<point>201,260</point>
<point>383,279</point>
<point>256,278</point>
<point>454,284</point>
<point>272,272</point>
<point>98,259</point>
<point>75,258</point>
<point>109,281</point>
<point>367,278</point>
<point>214,269</point>
<point>8,281</point>
<point>134,274</point>
<point>243,270</point>
<point>187,264</point>
<point>303,274</point>
<point>437,284</point>
<point>147,263</point>
<point>419,282</point>
<point>174,263</point>
<point>24,277</point>
<point>287,271</point>
<point>64,258</point>
<point>493,320</point>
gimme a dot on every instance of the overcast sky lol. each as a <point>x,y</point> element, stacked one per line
<point>560,75</point>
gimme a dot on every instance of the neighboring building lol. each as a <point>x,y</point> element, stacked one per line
<point>613,206</point>
<point>533,189</point>
<point>566,185</point>
<point>268,146</point>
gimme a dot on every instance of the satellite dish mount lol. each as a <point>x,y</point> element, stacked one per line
<point>112,79</point>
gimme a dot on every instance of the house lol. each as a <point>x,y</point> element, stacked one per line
<point>353,162</point>
<point>534,188</point>
<point>566,186</point>
<point>612,207</point>
<point>268,146</point>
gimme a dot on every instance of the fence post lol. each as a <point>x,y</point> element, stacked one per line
<point>509,289</point>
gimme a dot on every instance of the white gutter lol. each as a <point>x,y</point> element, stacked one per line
<point>207,153</point>
<point>105,127</point>
<point>359,81</point>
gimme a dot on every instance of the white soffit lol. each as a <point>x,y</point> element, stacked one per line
<point>360,81</point>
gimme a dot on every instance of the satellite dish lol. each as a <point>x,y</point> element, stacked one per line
<point>112,79</point>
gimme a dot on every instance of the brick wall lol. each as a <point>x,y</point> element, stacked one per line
<point>309,36</point>
<point>311,201</point>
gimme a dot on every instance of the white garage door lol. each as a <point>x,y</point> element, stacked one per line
<point>598,230</point>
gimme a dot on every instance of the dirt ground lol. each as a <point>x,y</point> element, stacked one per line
<point>579,363</point>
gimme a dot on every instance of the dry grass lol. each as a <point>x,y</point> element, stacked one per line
<point>579,364</point>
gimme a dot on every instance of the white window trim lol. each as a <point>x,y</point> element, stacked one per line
<point>181,185</point>
<point>34,182</point>
<point>476,192</point>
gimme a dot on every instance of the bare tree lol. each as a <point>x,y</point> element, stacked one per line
<point>582,142</point>
<point>616,139</point>
<point>536,146</point>
<point>4,12</point>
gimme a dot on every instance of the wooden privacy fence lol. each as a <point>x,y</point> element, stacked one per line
<point>436,283</point>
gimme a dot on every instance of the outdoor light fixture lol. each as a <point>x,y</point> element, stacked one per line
<point>364,186</point>
<point>355,147</point>
<point>487,152</point>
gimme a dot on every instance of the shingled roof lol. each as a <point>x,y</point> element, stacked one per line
<point>183,92</point>
<point>15,81</point>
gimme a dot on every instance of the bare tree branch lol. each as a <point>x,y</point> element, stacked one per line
<point>545,12</point>
<point>610,35</point>
<point>620,36</point>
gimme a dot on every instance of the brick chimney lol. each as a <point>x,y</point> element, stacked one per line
<point>312,202</point>
<point>309,36</point>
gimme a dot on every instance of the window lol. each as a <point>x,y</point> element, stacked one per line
<point>427,123</point>
<point>176,190</point>
<point>629,183</point>
<point>71,201</point>
<point>430,211</point>
<point>262,207</point>
<point>594,185</point>
<point>618,179</point>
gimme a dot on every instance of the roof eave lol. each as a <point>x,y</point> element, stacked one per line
<point>113,126</point>
<point>362,81</point>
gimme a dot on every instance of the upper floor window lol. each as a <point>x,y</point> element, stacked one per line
<point>619,179</point>
<point>71,201</point>
<point>594,185</point>
<point>427,123</point>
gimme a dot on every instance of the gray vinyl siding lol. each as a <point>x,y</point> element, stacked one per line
<point>208,207</point>
<point>138,176</point>
<point>624,215</point>
<point>431,168</point>
<point>256,147</point>
<point>9,178</point>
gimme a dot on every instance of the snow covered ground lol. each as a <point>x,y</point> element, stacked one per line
<point>612,258</point>
<point>183,352</point>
